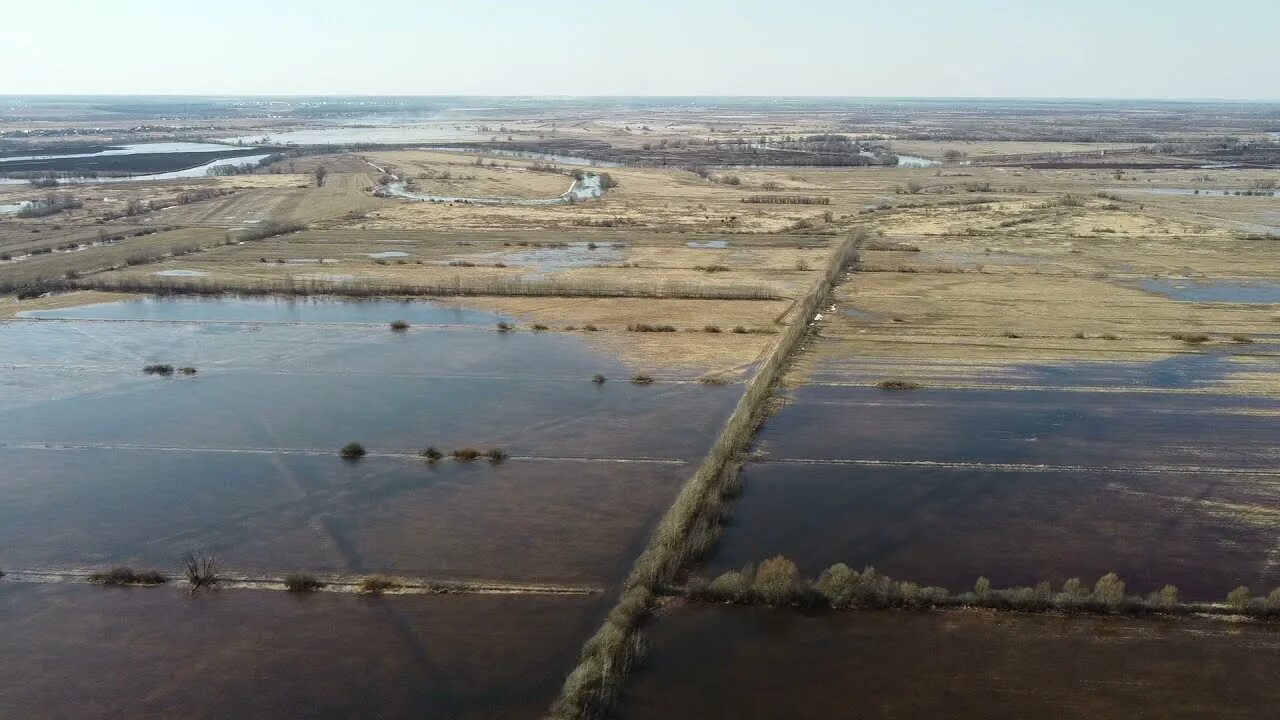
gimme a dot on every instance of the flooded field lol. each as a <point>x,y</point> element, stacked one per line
<point>280,387</point>
<point>947,526</point>
<point>80,651</point>
<point>726,662</point>
<point>1054,472</point>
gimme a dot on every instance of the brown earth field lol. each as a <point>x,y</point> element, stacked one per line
<point>82,651</point>
<point>727,662</point>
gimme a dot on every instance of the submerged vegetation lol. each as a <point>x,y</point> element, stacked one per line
<point>352,451</point>
<point>201,569</point>
<point>302,582</point>
<point>128,576</point>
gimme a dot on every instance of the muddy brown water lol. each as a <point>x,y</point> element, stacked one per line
<point>518,521</point>
<point>107,465</point>
<point>939,485</point>
<point>1206,534</point>
<point>1113,429</point>
<point>76,651</point>
<point>721,662</point>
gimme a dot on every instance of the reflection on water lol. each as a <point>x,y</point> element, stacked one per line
<point>131,149</point>
<point>269,309</point>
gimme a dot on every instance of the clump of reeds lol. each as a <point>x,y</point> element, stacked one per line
<point>302,582</point>
<point>161,369</point>
<point>496,455</point>
<point>504,326</point>
<point>1190,337</point>
<point>646,327</point>
<point>642,379</point>
<point>711,328</point>
<point>465,454</point>
<point>590,328</point>
<point>378,584</point>
<point>187,370</point>
<point>538,327</point>
<point>598,379</point>
<point>128,576</point>
<point>711,268</point>
<point>432,454</point>
<point>399,325</point>
<point>352,451</point>
<point>1242,339</point>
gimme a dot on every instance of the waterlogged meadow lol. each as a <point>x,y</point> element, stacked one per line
<point>357,447</point>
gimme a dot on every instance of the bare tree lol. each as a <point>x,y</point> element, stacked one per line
<point>321,173</point>
<point>201,568</point>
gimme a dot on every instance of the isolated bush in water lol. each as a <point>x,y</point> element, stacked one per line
<point>302,582</point>
<point>1240,599</point>
<point>352,451</point>
<point>1109,591</point>
<point>777,582</point>
<point>201,569</point>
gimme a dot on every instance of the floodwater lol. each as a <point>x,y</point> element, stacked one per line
<point>716,244</point>
<point>1203,532</point>
<point>106,464</point>
<point>388,254</point>
<point>730,662</point>
<point>559,521</point>
<point>912,161</point>
<point>1260,292</point>
<point>180,273</point>
<point>130,149</point>
<point>574,255</point>
<point>587,188</point>
<point>1045,473</point>
<point>77,651</point>
<point>275,310</point>
<point>198,171</point>
<point>7,208</point>
<point>1054,427</point>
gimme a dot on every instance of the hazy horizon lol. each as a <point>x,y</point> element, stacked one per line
<point>1086,49</point>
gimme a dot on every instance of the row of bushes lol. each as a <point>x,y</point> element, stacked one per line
<point>777,582</point>
<point>355,451</point>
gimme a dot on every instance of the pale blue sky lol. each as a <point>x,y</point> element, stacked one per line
<point>1043,48</point>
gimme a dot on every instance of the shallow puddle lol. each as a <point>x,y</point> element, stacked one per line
<point>1221,291</point>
